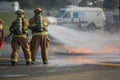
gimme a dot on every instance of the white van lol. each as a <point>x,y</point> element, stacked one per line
<point>79,17</point>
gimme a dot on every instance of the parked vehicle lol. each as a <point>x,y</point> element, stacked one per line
<point>85,18</point>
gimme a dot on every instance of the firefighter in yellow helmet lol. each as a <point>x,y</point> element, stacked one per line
<point>19,29</point>
<point>39,28</point>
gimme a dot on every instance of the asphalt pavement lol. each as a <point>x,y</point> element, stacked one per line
<point>62,66</point>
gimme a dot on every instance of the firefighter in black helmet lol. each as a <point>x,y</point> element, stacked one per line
<point>19,29</point>
<point>39,27</point>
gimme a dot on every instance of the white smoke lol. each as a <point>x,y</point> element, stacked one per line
<point>89,40</point>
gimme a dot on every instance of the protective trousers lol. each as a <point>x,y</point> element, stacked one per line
<point>15,44</point>
<point>43,42</point>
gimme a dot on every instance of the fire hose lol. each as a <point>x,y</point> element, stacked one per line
<point>2,40</point>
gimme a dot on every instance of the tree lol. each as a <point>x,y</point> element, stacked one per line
<point>91,3</point>
<point>27,3</point>
<point>48,4</point>
<point>51,4</point>
<point>110,4</point>
<point>75,2</point>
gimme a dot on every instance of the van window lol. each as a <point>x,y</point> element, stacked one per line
<point>67,15</point>
<point>75,14</point>
<point>59,13</point>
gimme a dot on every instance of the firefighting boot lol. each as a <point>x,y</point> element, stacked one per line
<point>32,62</point>
<point>14,63</point>
<point>28,63</point>
<point>45,62</point>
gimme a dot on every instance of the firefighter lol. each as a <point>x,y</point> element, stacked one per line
<point>19,29</point>
<point>39,28</point>
<point>1,25</point>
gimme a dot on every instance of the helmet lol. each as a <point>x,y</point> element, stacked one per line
<point>38,10</point>
<point>20,11</point>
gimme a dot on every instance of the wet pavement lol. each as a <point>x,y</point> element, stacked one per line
<point>63,66</point>
<point>68,63</point>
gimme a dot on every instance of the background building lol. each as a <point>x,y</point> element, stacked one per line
<point>9,6</point>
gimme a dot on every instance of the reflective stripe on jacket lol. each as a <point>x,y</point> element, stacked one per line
<point>40,33</point>
<point>22,36</point>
